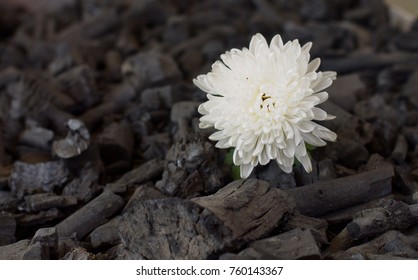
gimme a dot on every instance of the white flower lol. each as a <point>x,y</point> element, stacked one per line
<point>262,102</point>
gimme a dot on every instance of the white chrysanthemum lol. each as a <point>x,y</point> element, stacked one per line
<point>262,102</point>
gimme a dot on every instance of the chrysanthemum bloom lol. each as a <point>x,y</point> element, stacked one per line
<point>262,102</point>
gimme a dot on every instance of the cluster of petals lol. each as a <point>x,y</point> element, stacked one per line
<point>262,102</point>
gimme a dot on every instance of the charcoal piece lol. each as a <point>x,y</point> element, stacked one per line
<point>77,140</point>
<point>141,174</point>
<point>346,125</point>
<point>376,107</point>
<point>40,218</point>
<point>266,9</point>
<point>400,149</point>
<point>291,245</point>
<point>177,30</point>
<point>37,137</point>
<point>7,201</point>
<point>179,228</point>
<point>2,142</point>
<point>106,234</point>
<point>43,201</point>
<point>143,193</point>
<point>79,83</point>
<point>90,216</point>
<point>345,90</point>
<point>339,243</point>
<point>323,197</point>
<point>318,227</point>
<point>182,113</point>
<point>157,97</point>
<point>407,41</point>
<point>78,253</point>
<point>48,238</point>
<point>116,142</point>
<point>385,134</point>
<point>376,161</point>
<point>85,186</point>
<point>347,214</point>
<point>40,177</point>
<point>405,182</point>
<point>113,63</point>
<point>8,75</point>
<point>250,208</point>
<point>150,68</point>
<point>95,115</point>
<point>360,62</point>
<point>275,176</point>
<point>390,215</point>
<point>348,152</point>
<point>315,10</point>
<point>15,251</point>
<point>192,168</point>
<point>7,229</point>
<point>392,243</point>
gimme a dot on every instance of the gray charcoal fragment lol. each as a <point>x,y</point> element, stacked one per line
<point>15,251</point>
<point>291,245</point>
<point>250,208</point>
<point>390,215</point>
<point>106,234</point>
<point>400,150</point>
<point>40,218</point>
<point>116,142</point>
<point>275,176</point>
<point>143,173</point>
<point>324,197</point>
<point>48,238</point>
<point>90,216</point>
<point>77,140</point>
<point>44,201</point>
<point>78,253</point>
<point>143,193</point>
<point>150,68</point>
<point>7,201</point>
<point>183,109</point>
<point>345,90</point>
<point>37,137</point>
<point>392,243</point>
<point>39,177</point>
<point>179,228</point>
<point>7,229</point>
<point>192,168</point>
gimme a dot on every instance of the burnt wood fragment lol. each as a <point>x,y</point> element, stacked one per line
<point>179,228</point>
<point>250,208</point>
<point>390,215</point>
<point>323,197</point>
<point>116,142</point>
<point>44,201</point>
<point>76,141</point>
<point>7,229</point>
<point>40,177</point>
<point>90,216</point>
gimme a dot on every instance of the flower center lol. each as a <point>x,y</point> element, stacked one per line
<point>267,102</point>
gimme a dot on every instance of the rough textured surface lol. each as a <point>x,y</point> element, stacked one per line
<point>179,228</point>
<point>250,208</point>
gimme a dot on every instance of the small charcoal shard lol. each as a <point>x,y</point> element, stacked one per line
<point>79,83</point>
<point>90,216</point>
<point>367,61</point>
<point>143,173</point>
<point>180,229</point>
<point>39,177</point>
<point>38,137</point>
<point>43,201</point>
<point>250,208</point>
<point>181,114</point>
<point>192,168</point>
<point>143,193</point>
<point>275,176</point>
<point>390,215</point>
<point>7,229</point>
<point>345,90</point>
<point>392,243</point>
<point>116,142</point>
<point>400,150</point>
<point>84,187</point>
<point>48,239</point>
<point>323,197</point>
<point>106,234</point>
<point>78,253</point>
<point>150,68</point>
<point>40,218</point>
<point>318,227</point>
<point>16,251</point>
<point>7,201</point>
<point>77,140</point>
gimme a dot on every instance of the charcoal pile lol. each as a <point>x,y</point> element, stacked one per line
<point>102,157</point>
